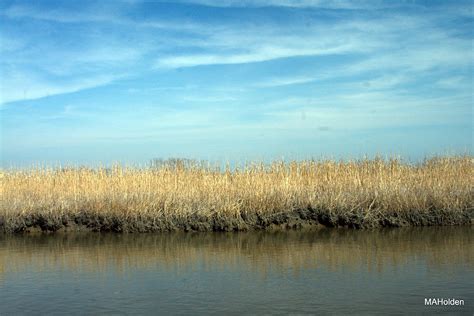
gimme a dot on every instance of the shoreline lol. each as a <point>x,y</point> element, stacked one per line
<point>292,195</point>
<point>307,219</point>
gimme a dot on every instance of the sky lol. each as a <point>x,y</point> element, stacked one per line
<point>88,82</point>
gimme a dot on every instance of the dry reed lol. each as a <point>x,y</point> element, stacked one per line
<point>363,193</point>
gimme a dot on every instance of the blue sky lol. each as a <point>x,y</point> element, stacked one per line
<point>100,81</point>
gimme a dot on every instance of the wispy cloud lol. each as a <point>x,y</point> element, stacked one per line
<point>258,55</point>
<point>209,99</point>
<point>264,43</point>
<point>365,110</point>
<point>325,4</point>
<point>203,43</point>
<point>224,72</point>
<point>115,14</point>
<point>23,87</point>
<point>284,81</point>
<point>60,15</point>
<point>455,82</point>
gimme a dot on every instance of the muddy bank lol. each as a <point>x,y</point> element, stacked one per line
<point>298,219</point>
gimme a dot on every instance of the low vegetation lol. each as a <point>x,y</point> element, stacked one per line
<point>186,196</point>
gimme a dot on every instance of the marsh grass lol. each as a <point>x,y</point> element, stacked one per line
<point>363,193</point>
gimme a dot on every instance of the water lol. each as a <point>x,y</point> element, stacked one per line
<point>327,271</point>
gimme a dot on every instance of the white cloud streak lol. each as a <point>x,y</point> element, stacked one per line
<point>320,4</point>
<point>23,87</point>
<point>265,43</point>
<point>285,81</point>
<point>400,46</point>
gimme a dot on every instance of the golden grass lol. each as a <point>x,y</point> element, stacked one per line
<point>356,193</point>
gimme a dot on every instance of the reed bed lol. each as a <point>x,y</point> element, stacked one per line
<point>362,193</point>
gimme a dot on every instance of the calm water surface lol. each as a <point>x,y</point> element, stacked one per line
<point>321,272</point>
